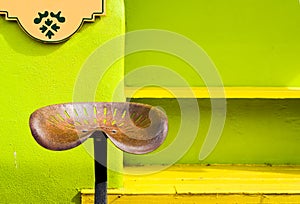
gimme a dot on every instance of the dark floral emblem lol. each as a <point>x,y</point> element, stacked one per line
<point>50,22</point>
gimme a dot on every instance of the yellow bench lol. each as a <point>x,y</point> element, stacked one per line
<point>209,184</point>
<point>224,184</point>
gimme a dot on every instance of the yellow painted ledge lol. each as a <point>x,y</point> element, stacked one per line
<point>213,92</point>
<point>207,184</point>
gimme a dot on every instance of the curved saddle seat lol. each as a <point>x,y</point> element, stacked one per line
<point>132,127</point>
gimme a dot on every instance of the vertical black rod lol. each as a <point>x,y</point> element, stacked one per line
<point>100,156</point>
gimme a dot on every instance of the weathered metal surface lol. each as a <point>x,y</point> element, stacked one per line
<point>132,127</point>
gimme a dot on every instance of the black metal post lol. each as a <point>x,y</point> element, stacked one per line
<point>100,156</point>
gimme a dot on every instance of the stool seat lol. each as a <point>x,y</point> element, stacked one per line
<point>132,127</point>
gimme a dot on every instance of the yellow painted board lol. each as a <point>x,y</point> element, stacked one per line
<point>198,199</point>
<point>212,92</point>
<point>223,182</point>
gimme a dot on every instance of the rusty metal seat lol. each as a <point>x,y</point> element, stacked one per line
<point>132,127</point>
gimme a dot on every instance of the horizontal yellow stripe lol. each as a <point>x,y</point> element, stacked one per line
<point>198,199</point>
<point>212,92</point>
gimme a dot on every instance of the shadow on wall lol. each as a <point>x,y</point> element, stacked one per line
<point>19,41</point>
<point>257,131</point>
<point>76,198</point>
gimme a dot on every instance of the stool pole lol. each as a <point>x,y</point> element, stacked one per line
<point>100,157</point>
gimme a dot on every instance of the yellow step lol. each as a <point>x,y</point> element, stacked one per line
<point>206,184</point>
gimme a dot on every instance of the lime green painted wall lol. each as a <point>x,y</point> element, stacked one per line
<point>258,131</point>
<point>251,42</point>
<point>35,75</point>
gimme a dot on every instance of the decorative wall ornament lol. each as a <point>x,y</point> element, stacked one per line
<point>51,21</point>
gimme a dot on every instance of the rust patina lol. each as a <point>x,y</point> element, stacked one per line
<point>133,127</point>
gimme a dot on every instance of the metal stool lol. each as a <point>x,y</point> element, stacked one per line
<point>132,127</point>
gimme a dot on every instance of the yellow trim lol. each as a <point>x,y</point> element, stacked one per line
<point>213,92</point>
<point>198,199</point>
<point>197,183</point>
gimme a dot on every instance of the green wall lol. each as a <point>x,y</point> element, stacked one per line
<point>252,43</point>
<point>258,131</point>
<point>33,75</point>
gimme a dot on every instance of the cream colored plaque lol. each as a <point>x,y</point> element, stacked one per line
<point>51,20</point>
